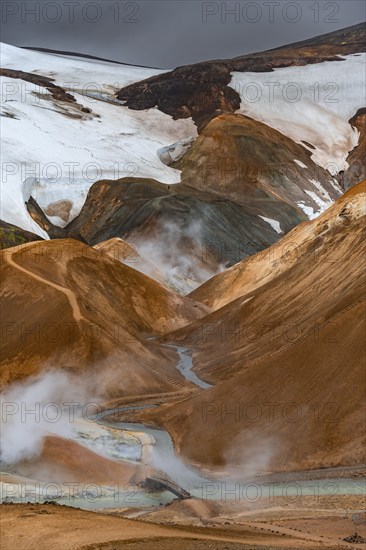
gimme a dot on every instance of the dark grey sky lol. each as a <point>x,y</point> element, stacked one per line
<point>171,32</point>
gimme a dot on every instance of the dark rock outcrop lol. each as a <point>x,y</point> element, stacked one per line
<point>142,209</point>
<point>356,171</point>
<point>58,93</point>
<point>355,539</point>
<point>199,90</point>
<point>37,214</point>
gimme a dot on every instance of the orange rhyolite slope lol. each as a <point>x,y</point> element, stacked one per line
<point>286,355</point>
<point>66,305</point>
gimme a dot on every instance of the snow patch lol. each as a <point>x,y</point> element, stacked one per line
<point>54,152</point>
<point>334,183</point>
<point>273,223</point>
<point>323,193</point>
<point>312,103</point>
<point>301,164</point>
<point>318,201</point>
<point>309,211</point>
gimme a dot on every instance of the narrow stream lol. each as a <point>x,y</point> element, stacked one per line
<point>234,489</point>
<point>185,366</point>
<point>162,457</point>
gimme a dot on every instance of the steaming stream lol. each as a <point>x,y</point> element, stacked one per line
<point>161,456</point>
<point>222,489</point>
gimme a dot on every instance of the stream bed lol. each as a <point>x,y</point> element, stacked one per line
<point>161,457</point>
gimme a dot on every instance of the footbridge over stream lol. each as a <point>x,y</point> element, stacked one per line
<point>161,482</point>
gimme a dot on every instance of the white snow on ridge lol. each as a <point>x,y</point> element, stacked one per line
<point>52,151</point>
<point>309,211</point>
<point>320,197</point>
<point>312,103</point>
<point>334,183</point>
<point>322,192</point>
<point>322,205</point>
<point>273,223</point>
<point>299,163</point>
<point>74,72</point>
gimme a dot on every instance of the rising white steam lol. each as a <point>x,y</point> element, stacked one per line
<point>47,404</point>
<point>179,254</point>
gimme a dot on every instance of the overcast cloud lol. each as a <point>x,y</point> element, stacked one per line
<point>172,32</point>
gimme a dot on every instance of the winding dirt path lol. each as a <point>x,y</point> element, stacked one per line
<point>9,253</point>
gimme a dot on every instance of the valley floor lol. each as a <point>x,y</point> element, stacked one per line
<point>278,524</point>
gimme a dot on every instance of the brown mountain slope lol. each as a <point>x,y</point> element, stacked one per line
<point>201,90</point>
<point>258,270</point>
<point>120,250</point>
<point>66,305</point>
<point>251,163</point>
<point>288,359</point>
<point>242,186</point>
<point>62,459</point>
<point>317,272</point>
<point>301,408</point>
